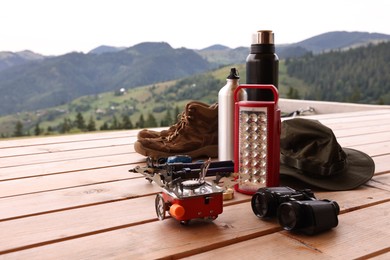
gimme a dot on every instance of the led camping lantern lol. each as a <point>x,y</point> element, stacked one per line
<point>256,141</point>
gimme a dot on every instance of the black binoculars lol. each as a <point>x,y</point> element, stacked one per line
<point>297,210</point>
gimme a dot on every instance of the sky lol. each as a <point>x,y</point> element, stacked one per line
<point>56,27</point>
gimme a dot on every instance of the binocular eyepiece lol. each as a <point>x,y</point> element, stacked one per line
<point>296,210</point>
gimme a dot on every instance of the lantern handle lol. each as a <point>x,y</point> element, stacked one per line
<point>257,86</point>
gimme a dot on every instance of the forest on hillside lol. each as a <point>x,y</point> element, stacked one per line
<point>360,75</point>
<point>155,106</point>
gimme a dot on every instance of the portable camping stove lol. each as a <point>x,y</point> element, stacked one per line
<point>190,199</point>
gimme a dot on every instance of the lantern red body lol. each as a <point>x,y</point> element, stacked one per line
<point>256,141</point>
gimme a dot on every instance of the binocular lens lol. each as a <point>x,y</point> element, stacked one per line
<point>288,216</point>
<point>259,205</point>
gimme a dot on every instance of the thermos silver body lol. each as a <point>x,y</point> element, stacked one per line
<point>226,116</point>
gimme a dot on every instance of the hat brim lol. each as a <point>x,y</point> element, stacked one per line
<point>360,169</point>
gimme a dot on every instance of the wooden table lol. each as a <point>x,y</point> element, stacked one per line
<point>72,197</point>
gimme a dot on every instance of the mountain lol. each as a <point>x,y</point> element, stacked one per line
<point>58,80</point>
<point>104,48</point>
<point>339,40</point>
<point>336,40</point>
<point>10,59</point>
<point>290,51</point>
<point>216,47</point>
<point>221,55</point>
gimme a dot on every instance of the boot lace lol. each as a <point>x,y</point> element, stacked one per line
<point>179,125</point>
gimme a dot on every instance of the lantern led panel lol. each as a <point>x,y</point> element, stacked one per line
<point>257,138</point>
<point>253,144</point>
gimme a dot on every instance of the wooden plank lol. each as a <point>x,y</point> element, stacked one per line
<point>362,139</point>
<point>382,163</point>
<point>62,147</point>
<point>43,202</point>
<point>372,149</point>
<point>272,246</point>
<point>356,114</point>
<point>336,121</point>
<point>65,156</point>
<point>353,126</point>
<point>361,130</point>
<point>68,166</point>
<point>357,236</point>
<point>168,238</point>
<point>46,228</point>
<point>65,180</point>
<point>45,140</point>
<point>385,255</point>
<point>380,181</point>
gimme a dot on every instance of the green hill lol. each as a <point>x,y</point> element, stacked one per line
<point>147,106</point>
<point>58,80</point>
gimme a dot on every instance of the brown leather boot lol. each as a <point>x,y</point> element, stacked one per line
<point>196,135</point>
<point>147,133</point>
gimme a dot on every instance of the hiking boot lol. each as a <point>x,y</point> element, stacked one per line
<point>196,134</point>
<point>146,133</point>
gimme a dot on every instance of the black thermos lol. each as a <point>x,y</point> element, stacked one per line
<point>262,65</point>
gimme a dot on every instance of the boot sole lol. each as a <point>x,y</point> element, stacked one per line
<point>209,151</point>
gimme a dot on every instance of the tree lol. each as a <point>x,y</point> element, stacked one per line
<point>141,122</point>
<point>65,126</point>
<point>104,126</point>
<point>91,124</point>
<point>37,129</point>
<point>151,121</point>
<point>355,97</point>
<point>80,122</point>
<point>167,120</point>
<point>126,122</point>
<point>18,129</point>
<point>115,124</point>
<point>293,93</point>
<point>177,111</point>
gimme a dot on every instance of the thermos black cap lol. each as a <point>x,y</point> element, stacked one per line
<point>263,37</point>
<point>233,74</point>
<point>263,42</point>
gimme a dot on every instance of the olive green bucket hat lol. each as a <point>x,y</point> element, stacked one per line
<point>310,152</point>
